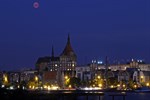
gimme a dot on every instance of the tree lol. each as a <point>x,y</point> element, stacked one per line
<point>112,81</point>
<point>74,82</point>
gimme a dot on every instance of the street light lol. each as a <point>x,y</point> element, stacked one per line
<point>98,77</point>
<point>36,81</point>
<point>124,85</point>
<point>66,77</point>
<point>66,81</point>
<point>5,79</point>
<point>147,84</point>
<point>142,78</point>
<point>36,78</point>
<point>100,85</point>
<point>135,86</point>
<point>69,86</point>
<point>118,85</point>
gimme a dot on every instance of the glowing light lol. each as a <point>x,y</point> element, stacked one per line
<point>36,78</point>
<point>90,88</point>
<point>86,88</point>
<point>3,86</point>
<point>112,86</point>
<point>55,87</point>
<point>100,62</point>
<point>33,87</point>
<point>124,85</point>
<point>118,85</point>
<point>147,84</point>
<point>66,77</point>
<point>36,5</point>
<point>125,68</point>
<point>73,65</point>
<point>132,59</point>
<point>49,87</point>
<point>23,87</point>
<point>45,86</point>
<point>98,77</point>
<point>30,86</point>
<point>69,86</point>
<point>135,86</point>
<point>142,77</point>
<point>18,86</point>
<point>100,85</point>
<point>5,78</point>
<point>11,87</point>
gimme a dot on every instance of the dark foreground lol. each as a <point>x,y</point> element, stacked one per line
<point>70,95</point>
<point>48,95</point>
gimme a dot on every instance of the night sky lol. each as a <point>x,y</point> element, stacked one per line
<point>119,29</point>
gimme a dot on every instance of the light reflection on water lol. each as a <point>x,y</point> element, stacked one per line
<point>130,96</point>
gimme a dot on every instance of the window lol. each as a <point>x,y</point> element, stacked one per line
<point>73,65</point>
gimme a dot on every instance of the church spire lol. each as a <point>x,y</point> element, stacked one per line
<point>68,42</point>
<point>68,48</point>
<point>52,51</point>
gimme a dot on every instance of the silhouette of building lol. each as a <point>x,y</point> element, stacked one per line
<point>64,64</point>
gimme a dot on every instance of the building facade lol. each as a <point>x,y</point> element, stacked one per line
<point>63,65</point>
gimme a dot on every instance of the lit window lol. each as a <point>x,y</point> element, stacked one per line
<point>73,65</point>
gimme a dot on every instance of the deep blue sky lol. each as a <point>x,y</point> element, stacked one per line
<point>119,29</point>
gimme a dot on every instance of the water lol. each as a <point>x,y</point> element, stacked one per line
<point>138,96</point>
<point>70,95</point>
<point>130,96</point>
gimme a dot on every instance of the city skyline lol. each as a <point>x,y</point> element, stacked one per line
<point>116,29</point>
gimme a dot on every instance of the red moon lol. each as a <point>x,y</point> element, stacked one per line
<point>36,5</point>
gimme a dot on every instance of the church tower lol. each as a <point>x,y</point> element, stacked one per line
<point>68,59</point>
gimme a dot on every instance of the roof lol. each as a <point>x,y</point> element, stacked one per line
<point>46,59</point>
<point>68,51</point>
<point>54,59</point>
<point>43,59</point>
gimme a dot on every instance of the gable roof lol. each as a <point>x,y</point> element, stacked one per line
<point>68,51</point>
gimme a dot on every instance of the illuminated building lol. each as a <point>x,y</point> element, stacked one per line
<point>64,64</point>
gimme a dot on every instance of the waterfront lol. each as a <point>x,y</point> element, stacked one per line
<point>70,95</point>
<point>130,96</point>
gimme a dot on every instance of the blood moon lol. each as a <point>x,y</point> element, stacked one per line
<point>36,5</point>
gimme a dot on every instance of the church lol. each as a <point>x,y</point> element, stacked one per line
<point>54,69</point>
